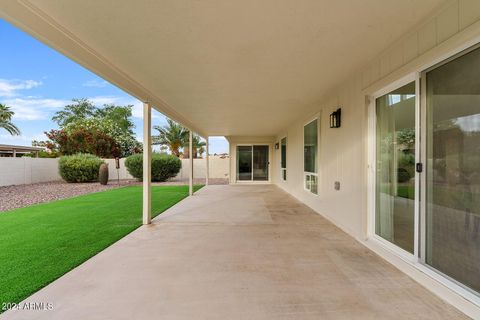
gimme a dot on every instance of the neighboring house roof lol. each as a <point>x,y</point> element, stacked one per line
<point>11,148</point>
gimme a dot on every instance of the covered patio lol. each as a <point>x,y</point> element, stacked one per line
<point>326,106</point>
<point>237,252</point>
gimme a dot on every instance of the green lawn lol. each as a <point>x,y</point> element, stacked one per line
<point>40,243</point>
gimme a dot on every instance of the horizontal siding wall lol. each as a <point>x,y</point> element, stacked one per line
<point>455,17</point>
<point>343,151</point>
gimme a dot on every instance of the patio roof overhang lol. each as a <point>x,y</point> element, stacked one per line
<point>221,68</point>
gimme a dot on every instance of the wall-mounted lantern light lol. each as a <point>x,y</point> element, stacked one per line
<point>336,118</point>
<point>277,146</point>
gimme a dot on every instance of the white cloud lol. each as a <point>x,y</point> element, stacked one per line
<point>21,140</point>
<point>34,108</point>
<point>137,110</point>
<point>101,100</point>
<point>10,88</point>
<point>96,83</point>
<point>38,108</point>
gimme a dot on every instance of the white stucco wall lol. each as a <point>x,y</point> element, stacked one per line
<point>343,151</point>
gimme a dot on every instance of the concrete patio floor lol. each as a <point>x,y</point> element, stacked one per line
<point>237,252</point>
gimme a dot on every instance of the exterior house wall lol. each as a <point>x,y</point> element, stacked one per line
<point>234,141</point>
<point>343,151</point>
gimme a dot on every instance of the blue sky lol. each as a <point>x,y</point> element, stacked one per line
<point>36,81</point>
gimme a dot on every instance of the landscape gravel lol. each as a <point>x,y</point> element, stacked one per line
<point>12,197</point>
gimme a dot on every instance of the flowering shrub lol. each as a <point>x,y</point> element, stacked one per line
<point>83,140</point>
<point>125,140</point>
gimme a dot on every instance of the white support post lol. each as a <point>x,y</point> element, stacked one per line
<point>190,176</point>
<point>207,169</point>
<point>147,163</point>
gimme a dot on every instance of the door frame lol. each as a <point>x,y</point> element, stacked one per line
<point>371,202</point>
<point>318,118</point>
<point>269,163</point>
<point>286,159</point>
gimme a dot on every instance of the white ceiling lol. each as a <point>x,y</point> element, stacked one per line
<point>223,67</point>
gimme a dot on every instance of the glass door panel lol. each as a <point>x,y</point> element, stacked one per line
<point>453,169</point>
<point>395,167</point>
<point>244,162</point>
<point>260,163</point>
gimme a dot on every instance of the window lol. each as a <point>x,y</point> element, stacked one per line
<point>283,160</point>
<point>310,153</point>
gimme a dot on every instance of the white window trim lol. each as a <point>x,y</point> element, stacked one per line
<point>317,117</point>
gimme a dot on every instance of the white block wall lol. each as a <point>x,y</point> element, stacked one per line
<point>14,171</point>
<point>17,171</point>
<point>218,169</point>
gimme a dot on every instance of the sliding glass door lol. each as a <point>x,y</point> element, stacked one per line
<point>395,167</point>
<point>452,182</point>
<point>431,142</point>
<point>252,163</point>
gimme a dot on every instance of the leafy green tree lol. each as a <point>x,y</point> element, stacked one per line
<point>80,109</point>
<point>173,135</point>
<point>114,121</point>
<point>6,120</point>
<point>120,115</point>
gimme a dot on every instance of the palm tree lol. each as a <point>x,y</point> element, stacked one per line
<point>172,135</point>
<point>6,120</point>
<point>197,145</point>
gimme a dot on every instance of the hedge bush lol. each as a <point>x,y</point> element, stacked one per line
<point>164,166</point>
<point>81,167</point>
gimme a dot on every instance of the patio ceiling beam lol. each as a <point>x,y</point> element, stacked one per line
<point>147,163</point>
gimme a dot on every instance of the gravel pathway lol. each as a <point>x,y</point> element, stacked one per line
<point>12,197</point>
